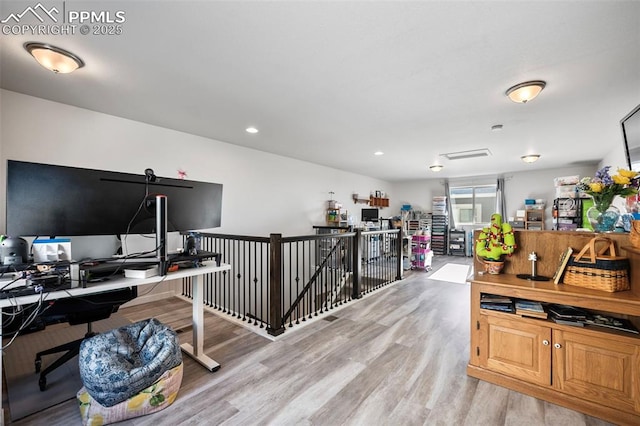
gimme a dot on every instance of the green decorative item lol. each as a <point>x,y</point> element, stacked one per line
<point>494,243</point>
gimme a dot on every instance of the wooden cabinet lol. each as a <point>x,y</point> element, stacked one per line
<point>584,364</point>
<point>601,369</point>
<point>378,202</point>
<point>520,350</point>
<point>588,369</point>
<point>335,218</point>
<point>534,219</point>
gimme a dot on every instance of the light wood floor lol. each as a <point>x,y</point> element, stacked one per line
<point>397,357</point>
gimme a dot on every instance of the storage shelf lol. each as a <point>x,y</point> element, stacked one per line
<point>378,202</point>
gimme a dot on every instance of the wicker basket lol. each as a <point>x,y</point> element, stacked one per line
<point>598,270</point>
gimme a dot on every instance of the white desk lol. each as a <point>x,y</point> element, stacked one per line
<point>195,350</point>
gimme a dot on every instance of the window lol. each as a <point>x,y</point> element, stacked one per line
<point>472,205</point>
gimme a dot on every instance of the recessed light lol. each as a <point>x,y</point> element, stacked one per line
<point>251,130</point>
<point>531,158</point>
<point>436,167</point>
<point>378,153</point>
<point>496,127</point>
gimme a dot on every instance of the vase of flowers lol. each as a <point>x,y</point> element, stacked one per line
<point>603,188</point>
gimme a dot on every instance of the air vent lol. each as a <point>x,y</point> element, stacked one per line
<point>484,152</point>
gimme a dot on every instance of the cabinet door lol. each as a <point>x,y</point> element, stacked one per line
<point>598,369</point>
<point>517,349</point>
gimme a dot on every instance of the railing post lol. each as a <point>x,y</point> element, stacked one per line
<point>399,268</point>
<point>275,326</point>
<point>357,264</point>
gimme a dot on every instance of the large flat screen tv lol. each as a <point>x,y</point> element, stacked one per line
<point>631,135</point>
<point>51,200</point>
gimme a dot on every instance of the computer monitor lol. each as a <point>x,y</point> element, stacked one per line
<point>370,215</point>
<point>52,200</point>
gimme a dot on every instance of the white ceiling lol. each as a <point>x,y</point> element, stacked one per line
<point>331,82</point>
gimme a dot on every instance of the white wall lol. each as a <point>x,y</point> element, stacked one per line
<point>418,193</point>
<point>537,184</point>
<point>262,193</point>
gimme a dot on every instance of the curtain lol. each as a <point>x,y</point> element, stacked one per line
<point>500,199</point>
<point>452,224</point>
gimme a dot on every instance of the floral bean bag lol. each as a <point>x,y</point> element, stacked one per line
<point>118,364</point>
<point>156,397</point>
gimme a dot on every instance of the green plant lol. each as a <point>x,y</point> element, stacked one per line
<point>496,240</point>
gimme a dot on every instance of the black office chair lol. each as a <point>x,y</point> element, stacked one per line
<point>79,310</point>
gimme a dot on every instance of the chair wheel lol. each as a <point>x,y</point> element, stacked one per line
<point>42,383</point>
<point>38,365</point>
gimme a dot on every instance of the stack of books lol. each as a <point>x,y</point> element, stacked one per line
<point>530,308</point>
<point>611,322</point>
<point>568,315</point>
<point>496,303</point>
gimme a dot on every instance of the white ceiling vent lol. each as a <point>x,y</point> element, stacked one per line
<point>484,152</point>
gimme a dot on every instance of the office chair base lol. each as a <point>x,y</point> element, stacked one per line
<point>72,349</point>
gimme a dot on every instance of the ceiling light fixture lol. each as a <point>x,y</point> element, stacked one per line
<point>524,92</point>
<point>54,58</point>
<point>251,130</point>
<point>436,167</point>
<point>378,153</point>
<point>496,127</point>
<point>531,158</point>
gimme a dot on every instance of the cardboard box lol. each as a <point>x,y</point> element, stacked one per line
<point>566,180</point>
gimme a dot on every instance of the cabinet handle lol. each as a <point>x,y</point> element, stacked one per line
<point>557,345</point>
<point>545,342</point>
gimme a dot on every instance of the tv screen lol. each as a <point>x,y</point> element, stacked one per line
<point>631,135</point>
<point>370,215</point>
<point>51,200</point>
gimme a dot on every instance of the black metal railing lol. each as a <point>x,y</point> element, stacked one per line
<point>281,281</point>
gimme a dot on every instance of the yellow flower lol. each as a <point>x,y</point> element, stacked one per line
<point>84,397</point>
<point>95,420</point>
<point>621,180</point>
<point>626,173</point>
<point>172,398</point>
<point>135,402</point>
<point>596,186</point>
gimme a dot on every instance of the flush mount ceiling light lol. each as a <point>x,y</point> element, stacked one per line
<point>484,152</point>
<point>531,158</point>
<point>436,167</point>
<point>54,58</point>
<point>524,92</point>
<point>378,153</point>
<point>251,130</point>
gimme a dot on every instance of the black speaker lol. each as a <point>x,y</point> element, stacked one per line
<point>14,251</point>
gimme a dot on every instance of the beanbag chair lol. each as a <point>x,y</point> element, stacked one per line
<point>120,363</point>
<point>156,397</point>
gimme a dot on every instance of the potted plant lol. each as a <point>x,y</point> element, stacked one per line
<point>495,242</point>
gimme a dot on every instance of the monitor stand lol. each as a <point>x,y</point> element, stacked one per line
<point>161,234</point>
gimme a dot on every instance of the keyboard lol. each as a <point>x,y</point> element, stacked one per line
<point>31,290</point>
